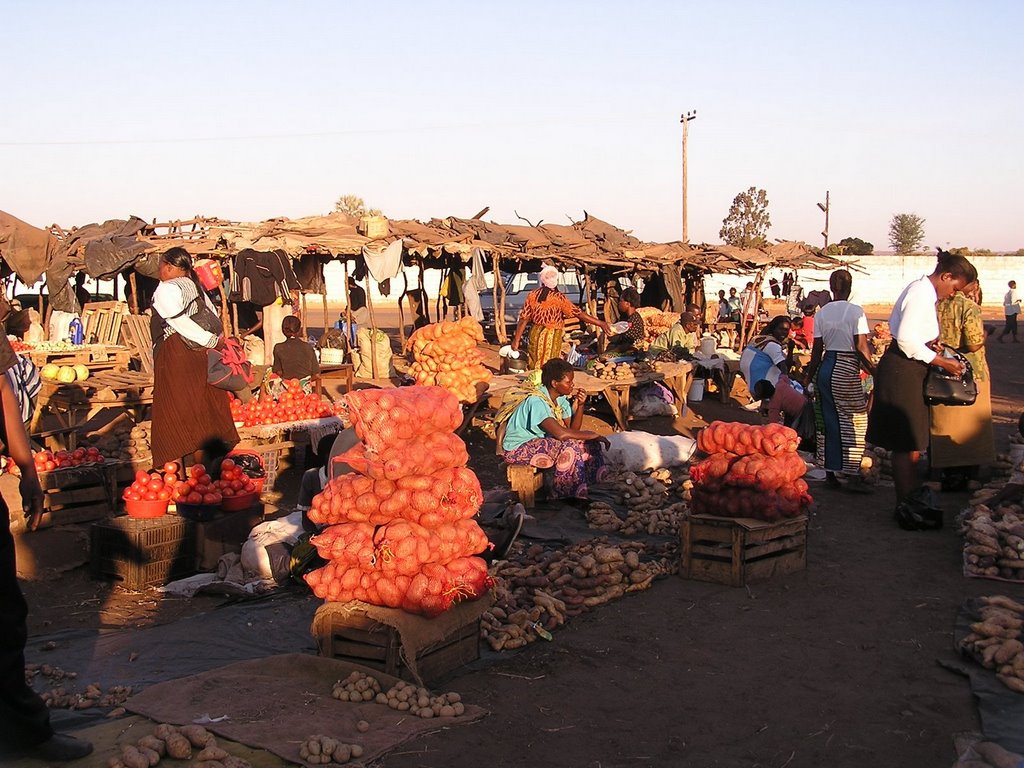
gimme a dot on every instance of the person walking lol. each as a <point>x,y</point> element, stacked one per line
<point>838,354</point>
<point>961,435</point>
<point>899,418</point>
<point>1011,308</point>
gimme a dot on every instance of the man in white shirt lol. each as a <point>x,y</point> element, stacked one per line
<point>1011,308</point>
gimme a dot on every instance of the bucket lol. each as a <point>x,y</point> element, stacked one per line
<point>708,345</point>
<point>209,273</point>
<point>145,508</point>
<point>696,393</point>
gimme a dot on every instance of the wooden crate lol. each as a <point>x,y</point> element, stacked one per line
<point>740,551</point>
<point>355,637</point>
<point>70,495</point>
<point>101,321</point>
<point>142,552</point>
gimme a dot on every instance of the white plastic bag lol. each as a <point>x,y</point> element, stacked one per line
<point>641,451</point>
<point>265,542</point>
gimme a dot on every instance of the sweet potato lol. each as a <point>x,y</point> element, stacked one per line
<point>178,747</point>
<point>196,734</point>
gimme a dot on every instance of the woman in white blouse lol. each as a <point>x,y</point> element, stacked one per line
<point>899,419</point>
<point>839,352</point>
<point>187,411</point>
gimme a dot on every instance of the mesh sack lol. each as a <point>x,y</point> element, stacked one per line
<point>385,417</point>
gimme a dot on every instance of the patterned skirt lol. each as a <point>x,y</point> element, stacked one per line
<point>544,344</point>
<point>842,413</point>
<point>576,463</point>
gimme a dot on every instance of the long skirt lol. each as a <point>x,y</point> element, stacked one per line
<point>576,463</point>
<point>961,435</point>
<point>543,345</point>
<point>842,411</point>
<point>186,410</point>
<point>899,416</point>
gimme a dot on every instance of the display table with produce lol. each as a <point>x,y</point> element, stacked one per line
<point>616,387</point>
<point>74,403</point>
<point>98,357</point>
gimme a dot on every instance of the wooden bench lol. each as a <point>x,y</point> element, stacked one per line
<point>525,481</point>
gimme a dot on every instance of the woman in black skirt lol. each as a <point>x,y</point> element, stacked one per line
<point>899,419</point>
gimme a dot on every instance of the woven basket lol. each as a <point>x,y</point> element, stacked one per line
<point>332,356</point>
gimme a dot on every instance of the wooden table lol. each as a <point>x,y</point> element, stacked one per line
<point>676,376</point>
<point>74,404</point>
<point>340,372</point>
<point>97,357</point>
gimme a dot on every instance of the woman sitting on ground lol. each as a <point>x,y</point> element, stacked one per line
<point>543,431</point>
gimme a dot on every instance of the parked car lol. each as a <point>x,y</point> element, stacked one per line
<point>517,286</point>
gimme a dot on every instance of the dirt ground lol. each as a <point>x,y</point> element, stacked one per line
<point>834,665</point>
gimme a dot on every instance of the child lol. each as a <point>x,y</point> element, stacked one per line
<point>293,357</point>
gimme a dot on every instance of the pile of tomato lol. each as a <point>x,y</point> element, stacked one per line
<point>20,346</point>
<point>47,461</point>
<point>233,481</point>
<point>291,405</point>
<point>153,486</point>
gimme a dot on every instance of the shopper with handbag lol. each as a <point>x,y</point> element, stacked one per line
<point>899,418</point>
<point>961,435</point>
<point>187,410</point>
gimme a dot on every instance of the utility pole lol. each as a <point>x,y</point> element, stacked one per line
<point>685,118</point>
<point>824,207</point>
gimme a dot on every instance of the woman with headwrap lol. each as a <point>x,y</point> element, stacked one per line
<point>547,308</point>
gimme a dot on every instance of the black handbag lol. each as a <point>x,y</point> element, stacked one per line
<point>941,388</point>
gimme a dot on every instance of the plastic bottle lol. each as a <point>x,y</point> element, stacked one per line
<point>75,331</point>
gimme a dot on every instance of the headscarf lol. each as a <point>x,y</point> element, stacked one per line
<point>549,277</point>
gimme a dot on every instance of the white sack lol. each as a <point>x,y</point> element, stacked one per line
<point>257,561</point>
<point>640,451</point>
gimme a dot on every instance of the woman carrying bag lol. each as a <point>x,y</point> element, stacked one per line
<point>899,418</point>
<point>187,410</point>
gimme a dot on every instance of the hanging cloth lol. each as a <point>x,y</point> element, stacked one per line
<point>384,264</point>
<point>477,281</point>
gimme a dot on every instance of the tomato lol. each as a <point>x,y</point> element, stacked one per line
<point>237,485</point>
<point>78,453</point>
<point>150,496</point>
<point>155,485</point>
<point>227,464</point>
<point>142,476</point>
<point>170,478</point>
<point>194,498</point>
<point>131,495</point>
<point>210,498</point>
<point>182,488</point>
<point>197,470</point>
<point>227,493</point>
<point>49,466</point>
<point>171,467</point>
<point>164,493</point>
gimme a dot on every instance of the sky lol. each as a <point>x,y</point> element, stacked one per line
<point>544,110</point>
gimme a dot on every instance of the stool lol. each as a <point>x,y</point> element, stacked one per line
<point>525,481</point>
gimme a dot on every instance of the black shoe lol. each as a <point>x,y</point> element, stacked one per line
<point>60,748</point>
<point>503,543</point>
<point>913,517</point>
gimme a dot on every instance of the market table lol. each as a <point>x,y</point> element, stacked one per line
<point>75,403</point>
<point>340,372</point>
<point>676,376</point>
<point>97,357</point>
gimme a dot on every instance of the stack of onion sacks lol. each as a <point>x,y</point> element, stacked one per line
<point>446,354</point>
<point>752,471</point>
<point>401,532</point>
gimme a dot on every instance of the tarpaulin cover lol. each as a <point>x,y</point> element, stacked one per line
<point>26,248</point>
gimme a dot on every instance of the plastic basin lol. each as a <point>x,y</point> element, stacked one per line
<point>239,502</point>
<point>144,508</point>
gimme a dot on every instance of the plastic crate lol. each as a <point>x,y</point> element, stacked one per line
<point>740,551</point>
<point>142,552</point>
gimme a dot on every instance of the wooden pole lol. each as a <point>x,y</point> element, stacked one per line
<point>425,305</point>
<point>225,320</point>
<point>135,292</point>
<point>323,300</point>
<point>304,334</point>
<point>349,340</point>
<point>498,296</point>
<point>401,312</point>
<point>373,329</point>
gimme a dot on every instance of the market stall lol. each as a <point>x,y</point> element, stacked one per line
<point>72,404</point>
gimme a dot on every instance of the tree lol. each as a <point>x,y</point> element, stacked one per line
<point>851,246</point>
<point>747,224</point>
<point>353,205</point>
<point>906,232</point>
